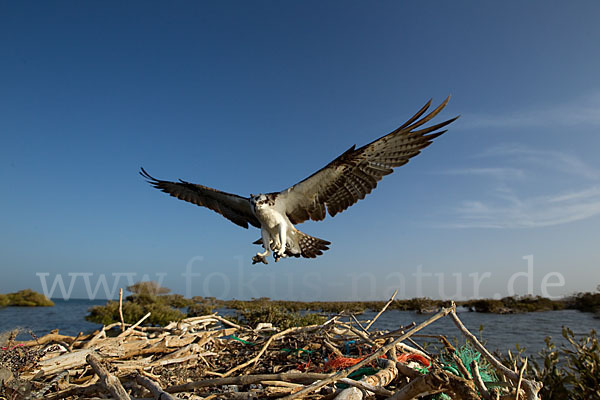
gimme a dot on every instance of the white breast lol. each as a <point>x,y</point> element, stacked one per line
<point>269,217</point>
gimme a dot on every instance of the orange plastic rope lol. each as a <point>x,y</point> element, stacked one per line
<point>339,363</point>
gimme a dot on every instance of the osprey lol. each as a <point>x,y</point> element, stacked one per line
<point>332,189</point>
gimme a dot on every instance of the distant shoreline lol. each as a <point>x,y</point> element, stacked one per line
<point>585,302</point>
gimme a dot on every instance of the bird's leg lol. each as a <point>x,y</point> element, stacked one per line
<point>262,257</point>
<point>282,242</point>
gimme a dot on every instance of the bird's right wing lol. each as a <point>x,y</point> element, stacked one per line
<point>355,173</point>
<point>235,208</point>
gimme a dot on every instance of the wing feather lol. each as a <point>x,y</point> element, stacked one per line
<point>235,208</point>
<point>356,172</point>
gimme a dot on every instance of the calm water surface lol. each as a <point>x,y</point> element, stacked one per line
<point>68,316</point>
<point>502,332</point>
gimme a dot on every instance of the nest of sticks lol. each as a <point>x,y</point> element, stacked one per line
<point>210,357</point>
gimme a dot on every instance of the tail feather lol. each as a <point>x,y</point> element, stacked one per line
<point>311,247</point>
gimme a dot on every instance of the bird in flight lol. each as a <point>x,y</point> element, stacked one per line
<point>332,189</point>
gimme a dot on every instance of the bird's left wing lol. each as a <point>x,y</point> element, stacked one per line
<point>355,173</point>
<point>235,208</point>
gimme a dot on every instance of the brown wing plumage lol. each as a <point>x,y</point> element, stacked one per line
<point>235,208</point>
<point>355,173</point>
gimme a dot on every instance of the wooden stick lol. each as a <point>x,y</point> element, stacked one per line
<point>182,359</point>
<point>358,323</point>
<point>132,327</point>
<point>479,382</point>
<point>366,386</point>
<point>281,384</point>
<point>364,336</point>
<point>382,310</point>
<point>254,394</point>
<point>79,391</point>
<point>203,318</point>
<point>154,388</point>
<point>523,367</point>
<point>227,322</point>
<point>461,367</point>
<point>397,332</point>
<point>343,374</point>
<point>49,338</point>
<point>100,334</point>
<point>392,354</point>
<point>408,349</point>
<point>249,379</point>
<point>121,309</point>
<point>532,388</point>
<point>93,340</point>
<point>110,383</point>
<point>407,371</point>
<point>332,347</point>
<point>421,386</point>
<point>80,334</point>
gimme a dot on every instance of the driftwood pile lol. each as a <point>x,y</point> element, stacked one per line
<point>210,357</point>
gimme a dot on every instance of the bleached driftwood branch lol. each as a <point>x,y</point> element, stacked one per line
<point>532,388</point>
<point>110,383</point>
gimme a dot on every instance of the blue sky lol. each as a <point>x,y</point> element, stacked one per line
<point>252,97</point>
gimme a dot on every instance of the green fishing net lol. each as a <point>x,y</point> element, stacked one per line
<point>467,354</point>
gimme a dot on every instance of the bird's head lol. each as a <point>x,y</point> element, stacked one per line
<point>259,200</point>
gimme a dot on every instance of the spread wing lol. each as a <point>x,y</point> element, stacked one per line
<point>355,173</point>
<point>235,208</point>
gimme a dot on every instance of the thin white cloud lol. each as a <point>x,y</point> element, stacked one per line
<point>505,206</point>
<point>539,211</point>
<point>494,172</point>
<point>581,195</point>
<point>581,111</point>
<point>545,159</point>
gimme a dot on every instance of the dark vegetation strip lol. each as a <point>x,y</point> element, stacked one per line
<point>25,298</point>
<point>149,297</point>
